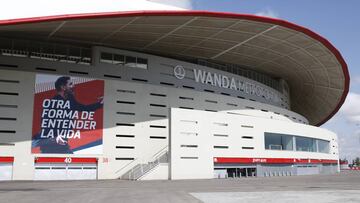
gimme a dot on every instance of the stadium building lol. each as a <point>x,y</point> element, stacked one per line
<point>166,94</point>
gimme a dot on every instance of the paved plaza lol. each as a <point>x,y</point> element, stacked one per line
<point>344,187</point>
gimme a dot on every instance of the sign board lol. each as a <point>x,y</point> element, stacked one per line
<point>68,115</point>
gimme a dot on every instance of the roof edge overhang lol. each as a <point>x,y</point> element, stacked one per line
<point>202,13</point>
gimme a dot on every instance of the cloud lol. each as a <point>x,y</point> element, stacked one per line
<point>349,145</point>
<point>346,124</point>
<point>351,108</point>
<point>267,13</point>
<point>356,79</point>
<point>185,4</point>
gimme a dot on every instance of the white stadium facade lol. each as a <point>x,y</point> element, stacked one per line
<point>166,93</point>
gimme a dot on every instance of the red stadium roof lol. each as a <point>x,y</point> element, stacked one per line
<point>314,68</point>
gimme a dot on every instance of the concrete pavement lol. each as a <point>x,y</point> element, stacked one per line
<point>316,188</point>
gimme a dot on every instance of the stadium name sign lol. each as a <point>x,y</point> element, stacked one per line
<point>224,81</point>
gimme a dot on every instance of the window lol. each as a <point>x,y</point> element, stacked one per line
<point>221,147</point>
<point>106,58</point>
<point>142,63</point>
<point>158,95</point>
<point>186,98</point>
<point>221,135</point>
<point>119,59</point>
<point>276,141</point>
<point>211,101</point>
<point>157,137</point>
<point>305,144</point>
<point>130,61</point>
<point>188,146</point>
<point>157,126</point>
<point>323,146</point>
<point>126,136</point>
<point>125,147</point>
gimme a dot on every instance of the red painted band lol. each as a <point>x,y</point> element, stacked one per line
<point>280,22</point>
<point>68,160</point>
<point>6,159</point>
<point>237,160</point>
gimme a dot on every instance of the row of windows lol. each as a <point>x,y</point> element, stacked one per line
<point>247,137</point>
<point>275,141</point>
<point>133,114</point>
<point>45,51</point>
<point>215,147</point>
<point>133,125</point>
<point>128,61</point>
<point>133,136</point>
<point>83,57</point>
<point>207,101</point>
<point>8,130</point>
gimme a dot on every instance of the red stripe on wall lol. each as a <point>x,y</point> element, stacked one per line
<point>238,160</point>
<point>65,160</point>
<point>6,159</point>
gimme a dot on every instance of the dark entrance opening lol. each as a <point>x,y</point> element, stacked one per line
<point>240,172</point>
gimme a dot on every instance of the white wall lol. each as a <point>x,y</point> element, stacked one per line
<point>199,129</point>
<point>147,140</point>
<point>190,146</point>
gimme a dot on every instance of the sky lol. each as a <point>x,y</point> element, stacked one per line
<point>337,21</point>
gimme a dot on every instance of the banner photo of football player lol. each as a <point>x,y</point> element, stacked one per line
<point>68,115</point>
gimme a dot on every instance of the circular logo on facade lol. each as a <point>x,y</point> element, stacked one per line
<point>179,72</point>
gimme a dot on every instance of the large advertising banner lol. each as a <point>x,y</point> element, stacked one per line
<point>68,115</point>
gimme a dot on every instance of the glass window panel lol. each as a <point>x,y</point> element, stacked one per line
<point>324,146</point>
<point>106,57</point>
<point>6,44</point>
<point>130,61</point>
<point>119,59</point>
<point>305,144</point>
<point>74,51</point>
<point>142,63</point>
<point>276,141</point>
<point>85,56</point>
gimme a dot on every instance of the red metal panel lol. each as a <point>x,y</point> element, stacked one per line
<point>243,160</point>
<point>68,160</point>
<point>6,159</point>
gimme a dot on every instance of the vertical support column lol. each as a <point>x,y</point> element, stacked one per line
<point>23,168</point>
<point>169,145</point>
<point>294,143</point>
<point>95,55</point>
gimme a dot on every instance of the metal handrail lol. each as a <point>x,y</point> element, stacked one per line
<point>140,170</point>
<point>126,166</point>
<point>160,151</point>
<point>151,165</point>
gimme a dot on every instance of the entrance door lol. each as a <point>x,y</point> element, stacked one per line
<point>240,172</point>
<point>65,172</point>
<point>232,173</point>
<point>6,171</point>
<point>6,168</point>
